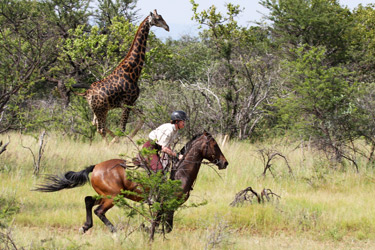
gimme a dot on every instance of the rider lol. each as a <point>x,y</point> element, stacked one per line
<point>162,137</point>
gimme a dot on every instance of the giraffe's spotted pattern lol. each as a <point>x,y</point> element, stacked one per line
<point>120,89</point>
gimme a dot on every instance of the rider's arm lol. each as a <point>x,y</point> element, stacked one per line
<point>170,152</point>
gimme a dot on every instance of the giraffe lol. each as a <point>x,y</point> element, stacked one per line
<point>120,89</point>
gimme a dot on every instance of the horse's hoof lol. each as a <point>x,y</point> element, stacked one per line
<point>81,230</point>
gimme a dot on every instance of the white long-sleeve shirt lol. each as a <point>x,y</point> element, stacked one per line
<point>164,135</point>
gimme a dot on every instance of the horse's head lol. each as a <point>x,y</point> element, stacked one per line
<point>212,152</point>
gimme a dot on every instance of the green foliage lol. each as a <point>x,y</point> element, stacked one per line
<point>184,59</point>
<point>81,119</point>
<point>45,42</point>
<point>156,190</point>
<point>96,53</point>
<point>145,152</point>
<point>8,208</point>
<point>228,79</point>
<point>325,87</point>
<point>110,9</point>
<point>238,72</point>
<point>319,103</point>
<point>24,51</point>
<point>158,195</point>
<point>310,22</point>
<point>365,117</point>
<point>313,205</point>
<point>362,40</point>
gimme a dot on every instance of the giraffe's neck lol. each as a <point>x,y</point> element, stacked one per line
<point>133,62</point>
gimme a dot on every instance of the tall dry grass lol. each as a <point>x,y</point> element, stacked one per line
<point>321,206</point>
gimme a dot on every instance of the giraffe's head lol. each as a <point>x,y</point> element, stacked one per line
<point>157,20</point>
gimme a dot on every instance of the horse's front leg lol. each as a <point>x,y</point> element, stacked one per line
<point>169,222</point>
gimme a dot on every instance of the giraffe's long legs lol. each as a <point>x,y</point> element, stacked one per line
<point>100,118</point>
<point>124,118</point>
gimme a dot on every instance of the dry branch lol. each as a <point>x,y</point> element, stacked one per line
<point>249,194</point>
<point>3,148</point>
<point>37,159</point>
<point>267,156</point>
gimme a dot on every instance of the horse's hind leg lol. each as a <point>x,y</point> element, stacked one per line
<point>104,206</point>
<point>90,202</point>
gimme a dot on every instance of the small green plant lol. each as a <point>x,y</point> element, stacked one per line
<point>8,208</point>
<point>158,195</point>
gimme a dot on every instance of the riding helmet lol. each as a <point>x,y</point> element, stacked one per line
<point>179,115</point>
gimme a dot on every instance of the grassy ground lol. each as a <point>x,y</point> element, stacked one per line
<point>321,206</point>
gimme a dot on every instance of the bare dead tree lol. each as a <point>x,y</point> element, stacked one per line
<point>259,77</point>
<point>38,158</point>
<point>249,195</point>
<point>210,100</point>
<point>267,156</point>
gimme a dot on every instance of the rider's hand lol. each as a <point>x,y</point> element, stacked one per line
<point>180,157</point>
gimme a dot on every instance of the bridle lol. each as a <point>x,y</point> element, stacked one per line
<point>215,161</point>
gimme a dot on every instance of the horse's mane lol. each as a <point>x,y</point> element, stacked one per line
<point>188,144</point>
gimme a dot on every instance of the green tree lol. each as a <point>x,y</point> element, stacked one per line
<point>295,23</point>
<point>48,45</point>
<point>26,44</point>
<point>319,103</point>
<point>111,9</point>
<point>362,41</point>
<point>241,74</point>
<point>159,195</point>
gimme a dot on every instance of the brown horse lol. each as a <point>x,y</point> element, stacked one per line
<point>109,178</point>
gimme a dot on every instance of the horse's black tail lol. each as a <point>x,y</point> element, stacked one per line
<point>68,180</point>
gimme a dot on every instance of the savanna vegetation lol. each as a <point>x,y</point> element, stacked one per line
<point>320,206</point>
<point>294,93</point>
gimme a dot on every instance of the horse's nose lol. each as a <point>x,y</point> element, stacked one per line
<point>224,165</point>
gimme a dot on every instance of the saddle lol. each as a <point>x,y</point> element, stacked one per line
<point>140,162</point>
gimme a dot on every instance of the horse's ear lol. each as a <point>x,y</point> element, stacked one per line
<point>206,133</point>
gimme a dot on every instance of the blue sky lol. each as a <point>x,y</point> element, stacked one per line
<point>178,13</point>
